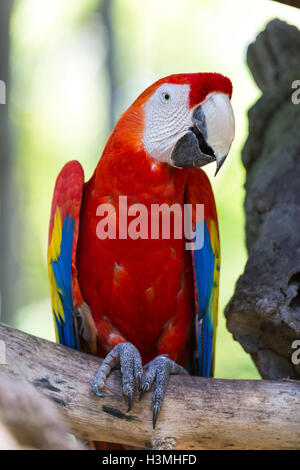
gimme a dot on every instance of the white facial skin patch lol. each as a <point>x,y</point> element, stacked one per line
<point>167,119</point>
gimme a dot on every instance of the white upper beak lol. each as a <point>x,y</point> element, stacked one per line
<point>219,120</point>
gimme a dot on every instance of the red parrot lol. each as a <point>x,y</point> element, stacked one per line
<point>145,304</point>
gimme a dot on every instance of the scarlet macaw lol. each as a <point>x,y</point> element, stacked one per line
<point>143,301</point>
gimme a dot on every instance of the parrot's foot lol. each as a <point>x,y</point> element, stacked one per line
<point>126,356</point>
<point>158,371</point>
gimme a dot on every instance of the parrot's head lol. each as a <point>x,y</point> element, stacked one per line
<point>187,119</point>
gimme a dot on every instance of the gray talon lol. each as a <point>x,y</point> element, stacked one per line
<point>158,371</point>
<point>139,378</point>
<point>127,357</point>
<point>155,413</point>
<point>129,401</point>
<point>144,389</point>
<point>96,391</point>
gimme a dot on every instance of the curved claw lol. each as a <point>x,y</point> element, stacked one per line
<point>129,401</point>
<point>96,391</point>
<point>144,389</point>
<point>139,379</point>
<point>99,394</point>
<point>155,413</point>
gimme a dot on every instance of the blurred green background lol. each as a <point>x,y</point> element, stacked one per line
<point>75,66</point>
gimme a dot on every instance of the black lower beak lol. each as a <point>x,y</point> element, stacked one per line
<point>191,151</point>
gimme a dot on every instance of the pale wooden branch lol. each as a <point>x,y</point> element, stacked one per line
<point>7,441</point>
<point>30,421</point>
<point>198,413</point>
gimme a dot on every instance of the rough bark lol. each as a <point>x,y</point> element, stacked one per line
<point>198,413</point>
<point>264,312</point>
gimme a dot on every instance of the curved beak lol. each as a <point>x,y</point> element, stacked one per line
<point>210,137</point>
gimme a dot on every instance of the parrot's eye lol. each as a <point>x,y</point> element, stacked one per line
<point>165,97</point>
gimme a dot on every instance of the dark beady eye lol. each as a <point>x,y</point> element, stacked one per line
<point>165,97</point>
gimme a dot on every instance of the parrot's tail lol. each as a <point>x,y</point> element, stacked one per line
<point>205,341</point>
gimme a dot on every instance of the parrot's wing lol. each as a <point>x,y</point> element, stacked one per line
<point>206,267</point>
<point>74,325</point>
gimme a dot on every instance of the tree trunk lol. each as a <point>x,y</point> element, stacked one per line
<point>264,312</point>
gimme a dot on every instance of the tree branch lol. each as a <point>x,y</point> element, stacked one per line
<point>30,421</point>
<point>197,412</point>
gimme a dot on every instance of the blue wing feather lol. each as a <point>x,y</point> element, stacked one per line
<point>204,267</point>
<point>62,270</point>
<point>73,320</point>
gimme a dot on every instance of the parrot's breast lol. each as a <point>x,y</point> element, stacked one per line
<point>144,287</point>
